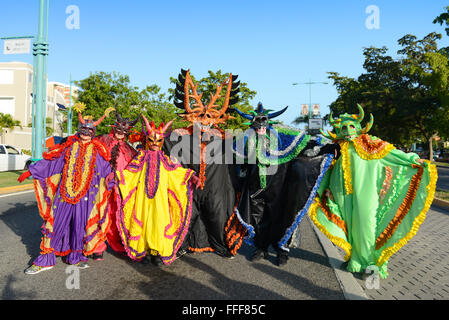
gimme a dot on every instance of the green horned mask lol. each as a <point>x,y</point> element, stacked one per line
<point>348,126</point>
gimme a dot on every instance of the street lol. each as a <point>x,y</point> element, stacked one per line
<point>443,178</point>
<point>307,275</point>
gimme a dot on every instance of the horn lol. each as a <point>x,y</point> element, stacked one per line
<point>80,117</point>
<point>361,112</point>
<point>147,125</point>
<point>329,135</point>
<point>244,115</point>
<point>133,123</point>
<point>117,115</point>
<point>331,119</point>
<point>106,114</point>
<point>166,126</point>
<point>369,125</point>
<point>276,114</point>
<point>259,108</point>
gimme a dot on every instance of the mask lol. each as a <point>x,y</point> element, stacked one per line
<point>154,137</point>
<point>348,126</point>
<point>260,118</point>
<point>212,114</point>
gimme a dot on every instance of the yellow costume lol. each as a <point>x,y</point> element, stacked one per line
<point>156,197</point>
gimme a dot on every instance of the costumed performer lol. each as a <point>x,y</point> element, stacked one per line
<point>374,198</point>
<point>72,185</point>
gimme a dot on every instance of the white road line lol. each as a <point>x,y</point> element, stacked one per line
<point>16,194</point>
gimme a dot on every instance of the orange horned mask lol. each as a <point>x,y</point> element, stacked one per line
<point>208,115</point>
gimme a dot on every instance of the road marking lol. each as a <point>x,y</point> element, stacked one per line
<point>15,194</point>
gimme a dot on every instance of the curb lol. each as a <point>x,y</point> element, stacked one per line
<point>349,285</point>
<point>443,204</point>
<point>14,189</point>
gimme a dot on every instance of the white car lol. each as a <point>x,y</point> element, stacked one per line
<point>13,159</point>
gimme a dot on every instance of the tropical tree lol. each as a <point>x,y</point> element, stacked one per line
<point>208,85</point>
<point>7,122</point>
<point>408,95</point>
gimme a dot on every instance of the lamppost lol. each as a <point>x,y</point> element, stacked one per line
<point>69,115</point>
<point>40,52</point>
<point>310,83</point>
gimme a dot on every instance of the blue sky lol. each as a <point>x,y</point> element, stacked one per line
<point>269,44</point>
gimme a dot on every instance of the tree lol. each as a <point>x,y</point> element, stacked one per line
<point>208,85</point>
<point>102,90</point>
<point>408,96</point>
<point>443,19</point>
<point>7,122</point>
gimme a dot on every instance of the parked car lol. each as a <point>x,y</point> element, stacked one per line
<point>13,159</point>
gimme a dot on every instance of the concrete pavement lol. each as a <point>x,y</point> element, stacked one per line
<point>419,271</point>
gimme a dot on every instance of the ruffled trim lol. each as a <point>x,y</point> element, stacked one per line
<point>325,164</point>
<point>394,195</point>
<point>235,230</point>
<point>346,166</point>
<point>404,208</point>
<point>369,149</point>
<point>342,243</point>
<point>388,252</point>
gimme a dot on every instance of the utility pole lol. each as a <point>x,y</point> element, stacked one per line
<point>69,115</point>
<point>310,83</point>
<point>40,52</point>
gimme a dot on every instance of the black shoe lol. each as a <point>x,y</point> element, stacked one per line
<point>282,258</point>
<point>156,261</point>
<point>259,254</point>
<point>145,260</point>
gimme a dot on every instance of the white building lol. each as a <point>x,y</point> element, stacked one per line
<point>16,87</point>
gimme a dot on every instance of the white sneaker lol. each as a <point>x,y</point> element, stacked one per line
<point>82,265</point>
<point>33,269</point>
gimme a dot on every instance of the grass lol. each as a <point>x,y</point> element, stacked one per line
<point>9,179</point>
<point>442,194</point>
<point>443,164</point>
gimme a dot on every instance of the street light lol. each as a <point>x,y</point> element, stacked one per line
<point>310,83</point>
<point>40,52</point>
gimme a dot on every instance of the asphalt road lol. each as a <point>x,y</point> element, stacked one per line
<point>443,178</point>
<point>205,276</point>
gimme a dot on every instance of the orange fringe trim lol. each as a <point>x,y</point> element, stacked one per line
<point>330,216</point>
<point>369,149</point>
<point>403,209</point>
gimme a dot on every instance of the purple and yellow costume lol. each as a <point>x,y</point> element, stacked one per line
<point>71,192</point>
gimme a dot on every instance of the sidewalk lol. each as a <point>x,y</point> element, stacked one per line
<point>418,271</point>
<point>14,189</point>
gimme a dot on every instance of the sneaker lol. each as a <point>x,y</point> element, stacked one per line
<point>259,254</point>
<point>36,269</point>
<point>82,265</point>
<point>181,253</point>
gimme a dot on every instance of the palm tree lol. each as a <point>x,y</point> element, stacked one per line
<point>7,122</point>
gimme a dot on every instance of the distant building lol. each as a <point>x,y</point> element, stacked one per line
<point>16,88</point>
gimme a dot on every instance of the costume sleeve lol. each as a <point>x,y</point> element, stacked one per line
<point>43,169</point>
<point>315,148</point>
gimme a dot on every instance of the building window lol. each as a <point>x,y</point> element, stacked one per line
<point>6,76</point>
<point>7,105</point>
